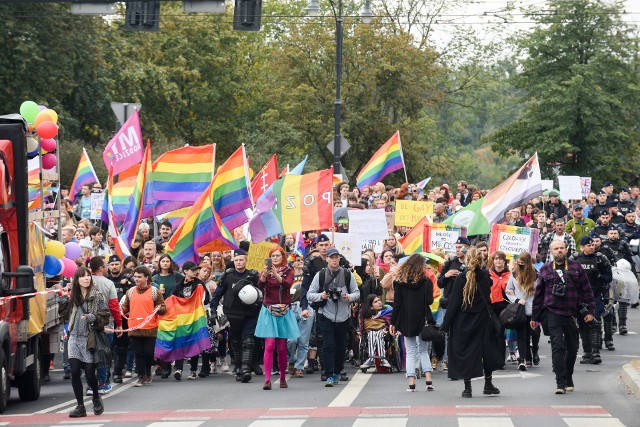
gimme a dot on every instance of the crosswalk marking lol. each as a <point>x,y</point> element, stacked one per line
<point>383,422</point>
<point>485,422</point>
<point>279,423</point>
<point>176,424</point>
<point>591,422</point>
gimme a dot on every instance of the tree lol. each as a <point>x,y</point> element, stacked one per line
<point>581,92</point>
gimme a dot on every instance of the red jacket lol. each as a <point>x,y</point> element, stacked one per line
<point>499,284</point>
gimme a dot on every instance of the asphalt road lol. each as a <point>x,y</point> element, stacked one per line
<point>527,399</point>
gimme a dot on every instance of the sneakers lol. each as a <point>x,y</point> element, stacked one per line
<point>192,375</point>
<point>623,330</point>
<point>411,388</point>
<point>446,366</point>
<point>512,359</point>
<point>224,367</point>
<point>536,359</point>
<point>522,366</point>
<point>98,407</point>
<point>177,375</point>
<point>80,411</point>
<point>561,390</point>
<point>434,362</point>
<point>385,363</point>
<point>117,379</point>
<point>299,373</point>
<point>204,374</point>
<point>147,380</point>
<point>430,386</point>
<point>89,392</point>
<point>336,379</point>
<point>291,369</point>
<point>105,389</point>
<point>128,374</point>
<point>370,363</point>
<point>140,382</point>
<point>66,376</point>
<point>329,382</point>
<point>343,376</point>
<point>440,366</point>
<point>586,359</point>
<point>214,369</point>
<point>609,345</point>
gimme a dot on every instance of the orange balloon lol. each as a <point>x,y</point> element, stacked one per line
<point>43,116</point>
<point>47,130</point>
<point>53,114</point>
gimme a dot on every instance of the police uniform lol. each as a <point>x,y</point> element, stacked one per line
<point>621,250</point>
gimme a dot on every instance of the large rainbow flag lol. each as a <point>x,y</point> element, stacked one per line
<point>182,331</point>
<point>386,160</point>
<point>413,241</point>
<point>137,200</point>
<point>85,174</point>
<point>121,248</point>
<point>231,190</point>
<point>183,174</point>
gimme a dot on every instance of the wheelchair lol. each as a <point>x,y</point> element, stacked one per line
<point>391,350</point>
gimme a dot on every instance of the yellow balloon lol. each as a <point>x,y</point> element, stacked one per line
<point>42,116</point>
<point>53,114</point>
<point>54,248</point>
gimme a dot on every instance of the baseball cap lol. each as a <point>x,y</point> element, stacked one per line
<point>463,241</point>
<point>585,240</point>
<point>624,190</point>
<point>577,206</point>
<point>607,184</point>
<point>553,193</point>
<point>331,252</point>
<point>604,212</point>
<point>601,192</point>
<point>114,258</point>
<point>190,265</point>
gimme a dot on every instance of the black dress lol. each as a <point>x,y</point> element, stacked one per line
<point>473,345</point>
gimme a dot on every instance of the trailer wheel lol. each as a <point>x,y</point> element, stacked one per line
<point>5,388</point>
<point>29,382</point>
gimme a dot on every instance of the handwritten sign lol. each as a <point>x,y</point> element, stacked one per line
<point>442,236</point>
<point>547,184</point>
<point>409,212</point>
<point>514,240</point>
<point>391,219</point>
<point>570,188</point>
<point>258,252</point>
<point>585,185</point>
<point>97,199</point>
<point>349,246</point>
<point>372,223</point>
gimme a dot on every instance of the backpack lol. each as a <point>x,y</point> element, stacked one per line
<point>325,287</point>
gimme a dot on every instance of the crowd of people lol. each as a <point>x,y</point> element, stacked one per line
<point>308,310</point>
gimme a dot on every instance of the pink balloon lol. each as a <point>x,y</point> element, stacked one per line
<point>47,130</point>
<point>70,267</point>
<point>49,161</point>
<point>48,145</point>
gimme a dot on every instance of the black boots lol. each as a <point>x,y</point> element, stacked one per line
<point>595,334</point>
<point>80,411</point>
<point>489,388</point>
<point>236,350</point>
<point>607,322</point>
<point>467,388</point>
<point>98,407</point>
<point>248,347</point>
<point>622,317</point>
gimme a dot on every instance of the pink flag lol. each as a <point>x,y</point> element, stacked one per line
<point>125,148</point>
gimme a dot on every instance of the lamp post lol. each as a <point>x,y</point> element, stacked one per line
<point>313,9</point>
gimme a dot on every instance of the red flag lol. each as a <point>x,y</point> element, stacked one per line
<point>263,179</point>
<point>285,171</point>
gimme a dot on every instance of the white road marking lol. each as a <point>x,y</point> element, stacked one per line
<point>351,390</point>
<point>485,422</point>
<point>88,398</point>
<point>176,424</point>
<point>383,422</point>
<point>591,422</point>
<point>279,423</point>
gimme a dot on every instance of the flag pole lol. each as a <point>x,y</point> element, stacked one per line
<point>404,166</point>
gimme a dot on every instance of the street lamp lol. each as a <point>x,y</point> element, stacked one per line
<point>313,9</point>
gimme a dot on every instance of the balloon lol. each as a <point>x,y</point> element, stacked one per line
<point>42,107</point>
<point>49,161</point>
<point>72,250</point>
<point>54,248</point>
<point>32,144</point>
<point>61,267</point>
<point>29,110</point>
<point>48,145</point>
<point>51,265</point>
<point>43,116</point>
<point>53,114</point>
<point>47,129</point>
<point>70,267</point>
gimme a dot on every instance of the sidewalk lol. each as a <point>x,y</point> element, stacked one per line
<point>631,377</point>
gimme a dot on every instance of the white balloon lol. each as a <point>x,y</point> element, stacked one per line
<point>32,144</point>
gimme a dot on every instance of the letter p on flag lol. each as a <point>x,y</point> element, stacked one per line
<point>125,148</point>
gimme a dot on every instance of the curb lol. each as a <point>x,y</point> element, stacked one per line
<point>631,378</point>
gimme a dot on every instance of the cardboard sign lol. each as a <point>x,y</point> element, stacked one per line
<point>585,184</point>
<point>391,218</point>
<point>442,236</point>
<point>514,240</point>
<point>349,246</point>
<point>570,188</point>
<point>96,205</point>
<point>547,184</point>
<point>371,222</point>
<point>258,252</point>
<point>409,212</point>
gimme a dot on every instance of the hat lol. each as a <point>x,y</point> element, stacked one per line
<point>594,235</point>
<point>585,240</point>
<point>604,212</point>
<point>553,193</point>
<point>602,192</point>
<point>624,190</point>
<point>445,186</point>
<point>294,256</point>
<point>463,241</point>
<point>114,258</point>
<point>323,238</point>
<point>577,206</point>
<point>612,227</point>
<point>607,184</point>
<point>331,252</point>
<point>190,265</point>
<point>239,252</point>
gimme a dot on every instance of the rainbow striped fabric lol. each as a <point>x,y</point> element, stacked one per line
<point>137,200</point>
<point>85,174</point>
<point>231,190</point>
<point>183,174</point>
<point>182,331</point>
<point>413,241</point>
<point>121,248</point>
<point>386,160</point>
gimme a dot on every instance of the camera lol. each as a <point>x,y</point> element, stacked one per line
<point>334,295</point>
<point>559,288</point>
<point>463,267</point>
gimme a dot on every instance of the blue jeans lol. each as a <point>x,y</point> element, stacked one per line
<point>103,373</point>
<point>297,349</point>
<point>334,344</point>
<point>416,348</point>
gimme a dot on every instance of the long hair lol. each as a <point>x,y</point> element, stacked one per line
<point>527,276</point>
<point>367,309</point>
<point>76,297</point>
<point>412,270</point>
<point>170,270</point>
<point>474,261</point>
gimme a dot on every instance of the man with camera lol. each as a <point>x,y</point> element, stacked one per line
<point>598,271</point>
<point>335,295</point>
<point>563,293</point>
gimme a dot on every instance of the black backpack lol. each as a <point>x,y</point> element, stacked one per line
<point>325,286</point>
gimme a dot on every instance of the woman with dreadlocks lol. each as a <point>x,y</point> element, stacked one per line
<point>473,342</point>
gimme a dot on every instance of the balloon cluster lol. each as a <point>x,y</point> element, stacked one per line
<point>59,258</point>
<point>43,121</point>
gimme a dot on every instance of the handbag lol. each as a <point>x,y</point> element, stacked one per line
<point>429,331</point>
<point>513,316</point>
<point>497,326</point>
<point>98,344</point>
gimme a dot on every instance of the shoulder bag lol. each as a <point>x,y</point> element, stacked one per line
<point>98,344</point>
<point>513,316</point>
<point>429,331</point>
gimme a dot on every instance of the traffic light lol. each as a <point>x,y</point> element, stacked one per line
<point>143,16</point>
<point>247,14</point>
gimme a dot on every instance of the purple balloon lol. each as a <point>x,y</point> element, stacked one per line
<point>42,107</point>
<point>72,250</point>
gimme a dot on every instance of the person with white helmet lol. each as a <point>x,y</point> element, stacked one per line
<point>242,303</point>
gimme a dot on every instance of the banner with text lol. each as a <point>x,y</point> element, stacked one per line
<point>514,240</point>
<point>258,253</point>
<point>442,236</point>
<point>585,184</point>
<point>372,223</point>
<point>125,149</point>
<point>409,212</point>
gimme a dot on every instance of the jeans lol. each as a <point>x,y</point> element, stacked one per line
<point>103,373</point>
<point>334,344</point>
<point>298,348</point>
<point>416,348</point>
<point>563,331</point>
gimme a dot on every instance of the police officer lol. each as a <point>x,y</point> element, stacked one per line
<point>629,230</point>
<point>621,250</point>
<point>625,205</point>
<point>601,205</point>
<point>602,225</point>
<point>598,271</point>
<point>616,217</point>
<point>242,317</point>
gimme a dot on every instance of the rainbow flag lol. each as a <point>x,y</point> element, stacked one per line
<point>413,241</point>
<point>386,160</point>
<point>137,200</point>
<point>182,331</point>
<point>121,248</point>
<point>85,174</point>
<point>174,217</point>
<point>231,190</point>
<point>183,174</point>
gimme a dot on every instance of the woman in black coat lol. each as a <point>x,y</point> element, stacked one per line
<point>413,294</point>
<point>473,342</point>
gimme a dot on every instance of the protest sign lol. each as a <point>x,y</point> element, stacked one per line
<point>513,240</point>
<point>409,212</point>
<point>547,184</point>
<point>97,198</point>
<point>570,188</point>
<point>372,223</point>
<point>349,246</point>
<point>585,185</point>
<point>258,253</point>
<point>391,218</point>
<point>442,236</point>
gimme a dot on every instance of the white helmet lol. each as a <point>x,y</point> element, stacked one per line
<point>623,264</point>
<point>249,294</point>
